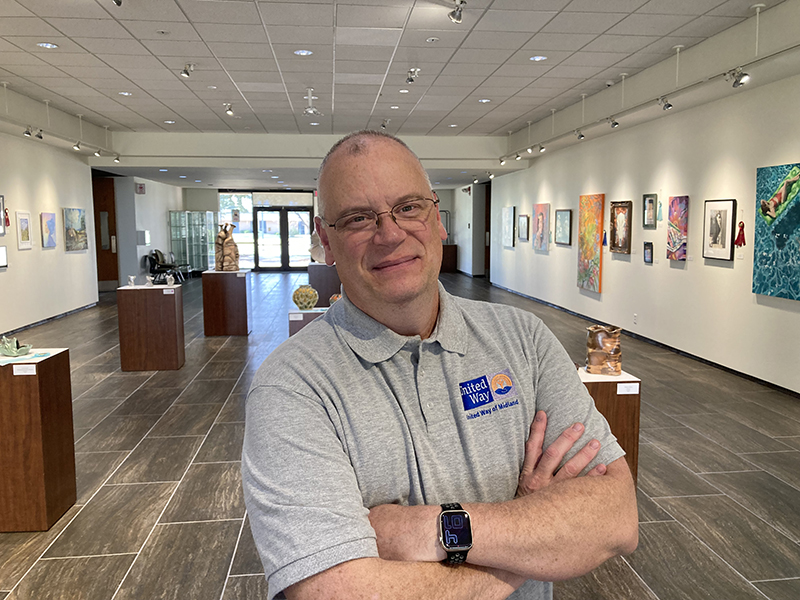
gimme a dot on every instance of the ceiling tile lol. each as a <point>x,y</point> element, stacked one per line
<point>111,46</point>
<point>20,58</point>
<point>348,15</point>
<point>257,86</point>
<point>619,43</point>
<point>360,66</point>
<point>619,6</point>
<point>174,48</point>
<point>514,20</point>
<point>435,17</point>
<point>489,39</point>
<point>34,71</point>
<point>92,72</point>
<point>383,53</point>
<point>740,8</point>
<point>559,41</point>
<point>707,26</point>
<point>10,8</point>
<point>100,28</point>
<point>218,32</point>
<point>320,52</point>
<point>254,76</point>
<point>529,71</point>
<point>300,35</point>
<point>444,39</point>
<point>358,78</point>
<point>469,69</point>
<point>679,7</point>
<point>152,74</point>
<point>365,36</point>
<point>638,24</point>
<point>65,45</point>
<point>149,30</point>
<point>59,8</point>
<point>296,14</point>
<point>27,26</point>
<point>594,59</point>
<point>583,22</point>
<point>528,5</point>
<point>248,64</point>
<point>642,59</point>
<point>240,50</point>
<point>482,56</point>
<point>220,12</point>
<point>666,44</point>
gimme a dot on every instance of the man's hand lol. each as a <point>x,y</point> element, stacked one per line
<point>539,467</point>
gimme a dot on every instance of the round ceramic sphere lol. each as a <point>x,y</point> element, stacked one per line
<point>305,297</point>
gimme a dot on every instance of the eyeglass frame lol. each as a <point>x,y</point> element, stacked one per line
<point>390,212</point>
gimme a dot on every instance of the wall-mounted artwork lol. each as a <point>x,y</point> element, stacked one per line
<point>678,227</point>
<point>649,208</point>
<point>590,242</point>
<point>3,257</point>
<point>541,226</point>
<point>508,226</point>
<point>75,236</point>
<point>648,253</point>
<point>564,227</point>
<point>719,223</point>
<point>24,235</point>
<point>48,229</point>
<point>523,226</point>
<point>621,213</point>
<point>2,215</point>
<point>776,264</point>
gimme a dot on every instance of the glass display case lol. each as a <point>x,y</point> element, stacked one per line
<point>192,236</point>
<point>177,236</point>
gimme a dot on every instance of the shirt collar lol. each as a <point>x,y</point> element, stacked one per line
<point>374,342</point>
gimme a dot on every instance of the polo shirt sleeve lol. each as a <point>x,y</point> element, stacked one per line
<point>565,399</point>
<point>303,499</point>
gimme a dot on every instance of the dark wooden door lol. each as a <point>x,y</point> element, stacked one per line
<point>105,232</point>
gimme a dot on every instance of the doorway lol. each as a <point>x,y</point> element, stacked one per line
<point>282,238</point>
<point>105,231</point>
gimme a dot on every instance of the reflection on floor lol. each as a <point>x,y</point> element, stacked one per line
<point>160,511</point>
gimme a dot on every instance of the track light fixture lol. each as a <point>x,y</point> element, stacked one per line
<point>517,157</point>
<point>228,109</point>
<point>413,73</point>
<point>665,105</point>
<point>311,110</point>
<point>116,159</point>
<point>530,150</point>
<point>97,152</point>
<point>613,122</point>
<point>738,76</point>
<point>475,179</point>
<point>580,136</point>
<point>187,70</point>
<point>502,161</point>
<point>39,135</point>
<point>27,132</point>
<point>457,13</point>
<point>117,2</point>
<point>491,175</point>
<point>384,124</point>
<point>541,148</point>
<point>76,146</point>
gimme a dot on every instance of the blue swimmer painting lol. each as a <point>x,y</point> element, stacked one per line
<point>48,230</point>
<point>776,262</point>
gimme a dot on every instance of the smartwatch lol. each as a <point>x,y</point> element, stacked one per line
<point>455,533</point>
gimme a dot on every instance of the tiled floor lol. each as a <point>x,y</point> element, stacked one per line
<point>160,513</point>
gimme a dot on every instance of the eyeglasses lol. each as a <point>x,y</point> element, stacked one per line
<point>410,215</point>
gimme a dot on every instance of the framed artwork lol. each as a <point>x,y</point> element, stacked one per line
<point>541,226</point>
<point>621,213</point>
<point>508,226</point>
<point>2,215</point>
<point>24,240</point>
<point>678,227</point>
<point>75,237</point>
<point>649,208</point>
<point>564,227</point>
<point>776,268</point>
<point>648,253</point>
<point>719,227</point>
<point>523,224</point>
<point>3,257</point>
<point>48,229</point>
<point>590,242</point>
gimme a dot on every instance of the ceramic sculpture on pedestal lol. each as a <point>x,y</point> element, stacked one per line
<point>170,280</point>
<point>305,297</point>
<point>12,347</point>
<point>226,252</point>
<point>603,352</point>
<point>149,281</point>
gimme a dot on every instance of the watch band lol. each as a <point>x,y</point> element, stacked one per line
<point>454,558</point>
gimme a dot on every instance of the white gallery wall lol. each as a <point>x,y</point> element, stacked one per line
<point>702,306</point>
<point>468,228</point>
<point>38,178</point>
<point>152,214</point>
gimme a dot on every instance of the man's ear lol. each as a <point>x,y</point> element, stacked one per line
<point>323,237</point>
<point>442,230</point>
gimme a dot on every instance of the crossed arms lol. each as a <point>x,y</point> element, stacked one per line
<point>559,526</point>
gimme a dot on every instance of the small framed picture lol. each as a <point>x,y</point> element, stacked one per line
<point>24,235</point>
<point>564,227</point>
<point>3,257</point>
<point>541,226</point>
<point>719,228</point>
<point>523,226</point>
<point>649,209</point>
<point>620,241</point>
<point>648,253</point>
<point>508,226</point>
<point>48,224</point>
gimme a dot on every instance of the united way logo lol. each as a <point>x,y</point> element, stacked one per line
<point>475,393</point>
<point>502,385</point>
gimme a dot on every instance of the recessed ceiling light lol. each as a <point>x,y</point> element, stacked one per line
<point>212,87</point>
<point>280,182</point>
<point>125,93</point>
<point>47,45</point>
<point>163,170</point>
<point>162,32</point>
<point>538,58</point>
<point>432,40</point>
<point>198,181</point>
<point>403,91</point>
<point>266,170</point>
<point>170,122</point>
<point>182,176</point>
<point>452,125</point>
<point>313,123</point>
<point>437,183</point>
<point>303,52</point>
<point>484,100</point>
<point>394,107</point>
<point>274,177</point>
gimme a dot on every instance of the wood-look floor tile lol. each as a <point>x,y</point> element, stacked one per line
<point>613,579</point>
<point>649,510</point>
<point>92,469</point>
<point>671,402</point>
<point>234,410</point>
<point>776,401</point>
<point>222,370</point>
<point>79,389</point>
<point>93,374</point>
<point>761,418</point>
<point>186,419</point>
<point>3,595</point>
<point>174,379</point>
<point>696,452</point>
<point>208,491</point>
<point>652,418</point>
<point>224,443</point>
<point>771,499</point>
<point>117,520</point>
<point>776,590</point>
<point>246,561</point>
<point>206,392</point>
<point>660,475</point>
<point>118,385</point>
<point>158,459</point>
<point>148,401</point>
<point>116,434</point>
<point>676,566</point>
<point>784,465</point>
<point>88,412</point>
<point>243,385</point>
<point>245,587</point>
<point>182,561</point>
<point>794,442</point>
<point>744,541</point>
<point>92,578</point>
<point>18,551</point>
<point>731,434</point>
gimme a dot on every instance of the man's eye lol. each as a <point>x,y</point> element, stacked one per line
<point>409,208</point>
<point>357,220</point>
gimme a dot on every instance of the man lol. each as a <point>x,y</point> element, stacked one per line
<point>403,398</point>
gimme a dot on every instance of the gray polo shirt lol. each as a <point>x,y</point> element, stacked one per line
<point>347,415</point>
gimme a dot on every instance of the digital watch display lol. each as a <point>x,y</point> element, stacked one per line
<point>455,533</point>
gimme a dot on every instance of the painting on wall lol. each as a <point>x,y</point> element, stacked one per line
<point>508,226</point>
<point>564,227</point>
<point>523,226</point>
<point>541,226</point>
<point>24,235</point>
<point>590,242</point>
<point>776,264</point>
<point>719,222</point>
<point>678,227</point>
<point>648,253</point>
<point>75,236</point>
<point>621,213</point>
<point>48,221</point>
<point>2,215</point>
<point>649,207</point>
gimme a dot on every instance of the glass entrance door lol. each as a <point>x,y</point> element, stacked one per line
<point>283,237</point>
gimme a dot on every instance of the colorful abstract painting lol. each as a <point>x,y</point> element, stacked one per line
<point>541,226</point>
<point>590,242</point>
<point>75,229</point>
<point>776,262</point>
<point>48,229</point>
<point>678,227</point>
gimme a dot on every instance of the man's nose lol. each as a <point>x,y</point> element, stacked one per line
<point>388,231</point>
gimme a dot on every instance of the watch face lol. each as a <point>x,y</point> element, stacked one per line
<point>455,530</point>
